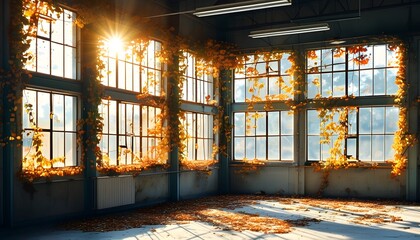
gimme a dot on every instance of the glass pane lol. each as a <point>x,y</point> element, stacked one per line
<point>365,148</point>
<point>46,148</point>
<point>314,148</point>
<point>379,82</point>
<point>58,147</point>
<point>43,56</point>
<point>29,97</point>
<point>136,120</point>
<point>30,63</point>
<point>326,60</point>
<point>261,148</point>
<point>43,110</point>
<point>366,83</point>
<point>389,151</point>
<point>273,67</point>
<point>273,88</point>
<point>313,85</point>
<point>261,124</point>
<point>273,148</point>
<point>378,143</point>
<point>70,28</point>
<point>58,58</point>
<point>378,121</point>
<point>391,86</point>
<point>287,148</point>
<point>367,55</point>
<point>339,80</point>
<point>70,113</point>
<point>57,30</point>
<point>326,84</point>
<point>112,117</point>
<point>70,61</point>
<point>239,148</point>
<point>58,112</point>
<point>286,123</point>
<point>250,148</point>
<point>351,147</point>
<point>365,118</point>
<point>313,122</point>
<point>273,123</point>
<point>43,27</point>
<point>391,119</point>
<point>379,57</point>
<point>71,147</point>
<point>352,122</point>
<point>353,83</point>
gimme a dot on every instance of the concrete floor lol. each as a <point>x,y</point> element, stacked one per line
<point>335,223</point>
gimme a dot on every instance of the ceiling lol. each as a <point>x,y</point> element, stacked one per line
<point>347,19</point>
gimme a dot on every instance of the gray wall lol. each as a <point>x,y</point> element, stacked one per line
<point>291,180</point>
<point>50,200</point>
<point>196,184</point>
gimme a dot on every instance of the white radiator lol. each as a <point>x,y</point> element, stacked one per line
<point>115,191</point>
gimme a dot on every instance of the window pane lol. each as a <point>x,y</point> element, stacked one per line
<point>261,124</point>
<point>43,110</point>
<point>250,148</point>
<point>339,83</point>
<point>239,148</point>
<point>379,83</point>
<point>58,58</point>
<point>365,118</point>
<point>353,83</point>
<point>71,147</point>
<point>378,143</point>
<point>43,56</point>
<point>58,112</point>
<point>378,121</point>
<point>273,123</point>
<point>70,61</point>
<point>314,148</point>
<point>287,148</point>
<point>365,148</point>
<point>261,148</point>
<point>391,86</point>
<point>366,83</point>
<point>313,122</point>
<point>273,148</point>
<point>286,123</point>
<point>392,114</point>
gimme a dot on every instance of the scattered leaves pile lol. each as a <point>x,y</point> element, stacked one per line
<point>218,211</point>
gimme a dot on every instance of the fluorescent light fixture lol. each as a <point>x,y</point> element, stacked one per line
<point>239,7</point>
<point>337,42</point>
<point>290,30</point>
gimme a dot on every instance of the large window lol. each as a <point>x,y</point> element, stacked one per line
<point>53,47</point>
<point>56,116</point>
<point>357,71</point>
<point>353,71</point>
<point>129,132</point>
<point>264,78</point>
<point>369,134</point>
<point>198,80</point>
<point>263,136</point>
<point>199,128</point>
<point>126,69</point>
<point>197,88</point>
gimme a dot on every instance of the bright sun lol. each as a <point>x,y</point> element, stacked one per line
<point>115,45</point>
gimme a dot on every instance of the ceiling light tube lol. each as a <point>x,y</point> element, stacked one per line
<point>290,30</point>
<point>239,7</point>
